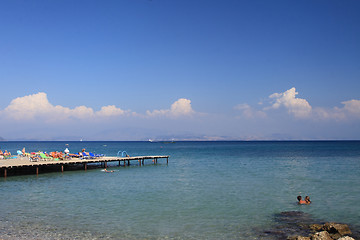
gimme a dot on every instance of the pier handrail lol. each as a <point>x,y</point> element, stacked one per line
<point>123,153</point>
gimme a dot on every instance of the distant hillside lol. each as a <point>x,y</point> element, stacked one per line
<point>2,139</point>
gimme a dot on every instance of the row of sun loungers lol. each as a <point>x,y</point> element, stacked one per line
<point>43,157</point>
<point>52,156</point>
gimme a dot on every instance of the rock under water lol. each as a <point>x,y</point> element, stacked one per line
<point>297,225</point>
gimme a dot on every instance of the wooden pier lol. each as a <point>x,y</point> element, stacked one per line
<point>24,162</point>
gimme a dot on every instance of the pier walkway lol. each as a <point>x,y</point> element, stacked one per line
<point>24,162</point>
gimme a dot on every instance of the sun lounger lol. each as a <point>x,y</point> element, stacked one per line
<point>34,158</point>
<point>44,157</point>
<point>95,155</point>
<point>74,155</point>
<point>85,155</point>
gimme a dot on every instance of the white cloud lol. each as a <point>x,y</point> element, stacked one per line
<point>38,106</point>
<point>353,107</point>
<point>249,112</point>
<point>181,107</point>
<point>81,112</point>
<point>157,113</point>
<point>28,106</point>
<point>298,107</point>
<point>335,113</point>
<point>111,110</point>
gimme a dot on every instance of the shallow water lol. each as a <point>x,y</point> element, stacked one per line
<point>209,190</point>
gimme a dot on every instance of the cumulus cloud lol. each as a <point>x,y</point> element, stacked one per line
<point>111,110</point>
<point>350,110</point>
<point>38,106</point>
<point>296,106</point>
<point>28,106</point>
<point>353,107</point>
<point>335,113</point>
<point>248,112</point>
<point>300,108</point>
<point>181,107</point>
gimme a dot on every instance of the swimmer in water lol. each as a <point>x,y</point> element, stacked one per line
<point>299,198</point>
<point>105,170</point>
<point>307,200</point>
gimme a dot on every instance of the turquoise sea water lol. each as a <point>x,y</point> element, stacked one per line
<point>209,190</point>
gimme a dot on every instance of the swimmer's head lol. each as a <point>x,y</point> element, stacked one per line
<point>298,198</point>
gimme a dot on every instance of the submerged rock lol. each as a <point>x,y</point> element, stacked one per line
<point>296,225</point>
<point>298,238</point>
<point>293,217</point>
<point>292,225</point>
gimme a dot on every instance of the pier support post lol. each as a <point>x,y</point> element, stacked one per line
<point>37,171</point>
<point>85,166</point>
<point>167,160</point>
<point>105,164</point>
<point>128,162</point>
<point>5,172</point>
<point>119,163</point>
<point>62,167</point>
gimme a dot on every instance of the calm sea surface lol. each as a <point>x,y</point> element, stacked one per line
<point>209,190</point>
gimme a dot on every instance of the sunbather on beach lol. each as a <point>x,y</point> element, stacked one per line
<point>58,155</point>
<point>34,158</point>
<point>66,151</point>
<point>6,153</point>
<point>83,151</point>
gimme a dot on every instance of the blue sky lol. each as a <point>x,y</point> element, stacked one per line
<point>140,69</point>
